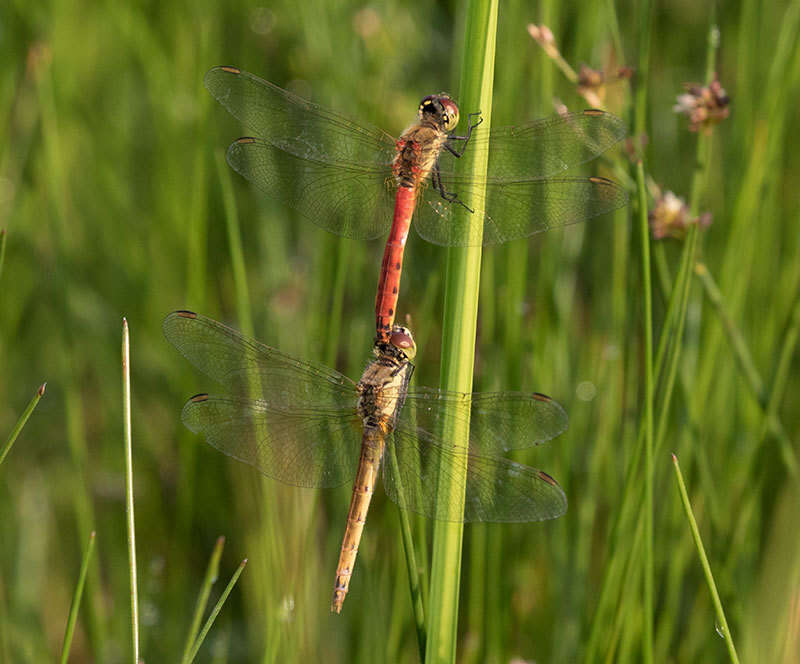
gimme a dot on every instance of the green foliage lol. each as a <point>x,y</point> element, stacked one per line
<point>114,205</point>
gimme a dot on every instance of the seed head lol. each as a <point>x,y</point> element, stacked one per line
<point>670,217</point>
<point>705,106</point>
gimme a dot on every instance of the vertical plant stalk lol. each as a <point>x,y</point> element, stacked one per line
<point>417,599</point>
<point>462,286</point>
<point>414,581</point>
<point>640,129</point>
<point>202,599</point>
<point>723,623</point>
<point>649,568</point>
<point>126,425</point>
<point>76,601</point>
<point>643,70</point>
<point>21,422</point>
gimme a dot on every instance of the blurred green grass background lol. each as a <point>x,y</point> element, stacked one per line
<point>112,198</point>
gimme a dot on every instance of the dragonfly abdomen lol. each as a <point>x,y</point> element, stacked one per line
<point>372,446</point>
<point>392,265</point>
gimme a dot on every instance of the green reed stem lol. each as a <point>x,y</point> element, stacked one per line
<point>126,424</point>
<point>417,599</point>
<point>76,601</point>
<point>649,567</point>
<point>462,286</point>
<point>414,580</point>
<point>21,422</point>
<point>215,611</point>
<point>202,600</point>
<point>646,10</point>
<point>723,623</point>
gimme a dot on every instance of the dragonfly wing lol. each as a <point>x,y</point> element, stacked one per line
<point>494,489</point>
<point>296,125</point>
<point>309,448</point>
<point>511,210</point>
<point>499,421</point>
<point>544,147</point>
<point>349,200</point>
<point>255,371</point>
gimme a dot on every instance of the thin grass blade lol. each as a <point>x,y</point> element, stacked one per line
<point>21,422</point>
<point>215,611</point>
<point>698,540</point>
<point>126,424</point>
<point>202,599</point>
<point>76,600</point>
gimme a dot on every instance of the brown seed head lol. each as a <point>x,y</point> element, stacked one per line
<point>705,106</point>
<point>670,217</point>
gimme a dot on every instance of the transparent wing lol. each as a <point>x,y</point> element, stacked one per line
<point>546,146</point>
<point>499,421</point>
<point>494,489</point>
<point>309,448</point>
<point>296,125</point>
<point>512,210</point>
<point>352,200</point>
<point>252,370</point>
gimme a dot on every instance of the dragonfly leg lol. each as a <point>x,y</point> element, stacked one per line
<point>470,127</point>
<point>449,196</point>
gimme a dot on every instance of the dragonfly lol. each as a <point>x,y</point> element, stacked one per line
<point>310,426</point>
<point>356,180</point>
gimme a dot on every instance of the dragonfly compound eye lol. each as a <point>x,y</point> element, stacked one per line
<point>449,113</point>
<point>402,340</point>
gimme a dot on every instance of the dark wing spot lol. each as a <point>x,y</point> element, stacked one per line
<point>547,478</point>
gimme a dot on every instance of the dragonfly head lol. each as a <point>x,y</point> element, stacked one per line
<point>441,110</point>
<point>400,345</point>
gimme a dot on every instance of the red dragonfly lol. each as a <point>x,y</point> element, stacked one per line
<point>351,179</point>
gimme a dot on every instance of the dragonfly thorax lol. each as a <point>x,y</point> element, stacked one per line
<point>417,151</point>
<point>384,383</point>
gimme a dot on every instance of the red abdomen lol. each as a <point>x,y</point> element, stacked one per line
<point>392,265</point>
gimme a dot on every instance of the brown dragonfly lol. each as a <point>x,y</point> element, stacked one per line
<point>310,426</point>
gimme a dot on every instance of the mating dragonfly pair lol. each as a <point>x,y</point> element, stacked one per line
<point>298,422</point>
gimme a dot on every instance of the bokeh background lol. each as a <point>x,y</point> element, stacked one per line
<point>117,202</point>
